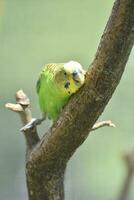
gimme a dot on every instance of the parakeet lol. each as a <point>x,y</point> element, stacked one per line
<point>56,83</point>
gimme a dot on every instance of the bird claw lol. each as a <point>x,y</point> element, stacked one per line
<point>33,123</point>
<point>29,125</point>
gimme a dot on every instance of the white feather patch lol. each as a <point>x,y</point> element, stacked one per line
<point>71,66</point>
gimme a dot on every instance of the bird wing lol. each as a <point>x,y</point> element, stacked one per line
<point>51,69</point>
<point>38,84</point>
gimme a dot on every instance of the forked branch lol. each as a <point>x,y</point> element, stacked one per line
<point>22,107</point>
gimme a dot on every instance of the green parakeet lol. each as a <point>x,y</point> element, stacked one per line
<point>56,83</point>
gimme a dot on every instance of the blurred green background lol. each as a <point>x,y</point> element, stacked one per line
<point>36,32</point>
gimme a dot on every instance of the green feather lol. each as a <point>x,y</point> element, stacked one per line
<point>51,98</point>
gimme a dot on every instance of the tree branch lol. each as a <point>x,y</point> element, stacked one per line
<point>102,124</point>
<point>128,158</point>
<point>85,107</point>
<point>22,107</point>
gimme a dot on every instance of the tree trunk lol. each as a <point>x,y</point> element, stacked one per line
<point>46,183</point>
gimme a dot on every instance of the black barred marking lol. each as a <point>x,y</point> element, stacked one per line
<point>67,84</point>
<point>54,67</point>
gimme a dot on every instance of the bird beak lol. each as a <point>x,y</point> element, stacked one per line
<point>79,79</point>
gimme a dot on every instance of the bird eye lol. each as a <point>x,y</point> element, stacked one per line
<point>74,73</point>
<point>65,73</point>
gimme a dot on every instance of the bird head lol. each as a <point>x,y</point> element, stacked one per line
<point>74,77</point>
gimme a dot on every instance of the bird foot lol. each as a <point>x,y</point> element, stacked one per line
<point>33,123</point>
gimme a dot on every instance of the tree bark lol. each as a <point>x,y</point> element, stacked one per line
<point>47,159</point>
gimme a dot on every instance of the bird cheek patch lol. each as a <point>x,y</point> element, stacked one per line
<point>67,86</point>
